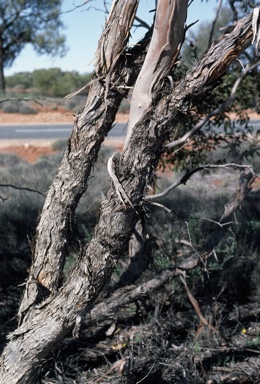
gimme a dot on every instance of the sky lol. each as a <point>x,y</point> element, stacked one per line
<point>83,27</point>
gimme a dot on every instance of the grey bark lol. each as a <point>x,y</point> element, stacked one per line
<point>46,322</point>
<point>89,131</point>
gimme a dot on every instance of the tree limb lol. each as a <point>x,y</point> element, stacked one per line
<point>22,189</point>
<point>216,111</point>
<point>188,175</point>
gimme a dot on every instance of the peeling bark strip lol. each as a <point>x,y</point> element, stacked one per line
<point>51,320</point>
<point>163,51</point>
<point>89,131</point>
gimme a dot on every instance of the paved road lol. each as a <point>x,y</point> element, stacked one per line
<point>60,131</point>
<point>47,131</point>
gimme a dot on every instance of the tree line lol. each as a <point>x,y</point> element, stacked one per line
<point>48,82</point>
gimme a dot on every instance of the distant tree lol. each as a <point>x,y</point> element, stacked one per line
<point>29,21</point>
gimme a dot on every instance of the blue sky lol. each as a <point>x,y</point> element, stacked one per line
<point>83,28</point>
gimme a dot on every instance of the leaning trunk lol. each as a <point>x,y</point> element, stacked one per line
<point>46,322</point>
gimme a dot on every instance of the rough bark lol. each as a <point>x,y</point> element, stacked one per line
<point>51,320</point>
<point>89,131</point>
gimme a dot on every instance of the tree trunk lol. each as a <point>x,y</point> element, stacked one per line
<point>89,131</point>
<point>45,322</point>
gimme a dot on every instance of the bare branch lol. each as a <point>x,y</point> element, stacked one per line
<point>126,295</point>
<point>188,174</point>
<point>234,9</point>
<point>77,6</point>
<point>142,22</point>
<point>3,198</point>
<point>214,23</point>
<point>22,189</point>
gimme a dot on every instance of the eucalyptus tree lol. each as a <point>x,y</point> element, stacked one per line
<point>52,309</point>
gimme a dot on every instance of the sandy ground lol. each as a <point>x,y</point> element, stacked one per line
<point>46,117</point>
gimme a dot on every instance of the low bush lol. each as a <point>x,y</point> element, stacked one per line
<point>10,107</point>
<point>27,110</point>
<point>59,145</point>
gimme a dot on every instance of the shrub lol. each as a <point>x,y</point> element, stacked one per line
<point>59,145</point>
<point>10,108</point>
<point>124,107</point>
<point>27,109</point>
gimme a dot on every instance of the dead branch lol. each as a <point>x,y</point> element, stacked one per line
<point>214,23</point>
<point>188,175</point>
<point>22,189</point>
<point>196,306</point>
<point>141,22</point>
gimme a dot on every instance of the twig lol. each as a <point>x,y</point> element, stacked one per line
<point>3,198</point>
<point>73,94</point>
<point>161,206</point>
<point>22,189</point>
<point>58,117</point>
<point>118,364</point>
<point>150,370</point>
<point>142,23</point>
<point>214,23</point>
